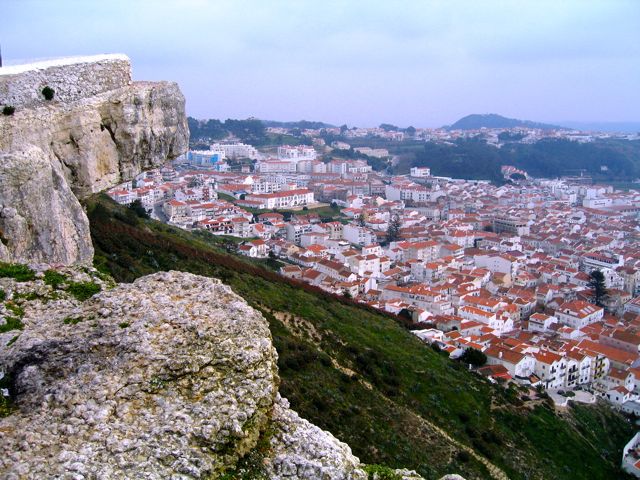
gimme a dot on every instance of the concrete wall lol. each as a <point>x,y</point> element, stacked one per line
<point>71,78</point>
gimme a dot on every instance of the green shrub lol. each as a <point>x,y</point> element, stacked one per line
<point>83,290</point>
<point>53,278</point>
<point>8,110</point>
<point>381,472</point>
<point>463,456</point>
<point>3,295</point>
<point>15,309</point>
<point>137,208</point>
<point>12,323</point>
<point>20,273</point>
<point>474,357</point>
<point>48,93</point>
<point>72,320</point>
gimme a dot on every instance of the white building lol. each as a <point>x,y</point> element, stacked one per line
<point>420,172</point>
<point>358,235</point>
<point>276,166</point>
<point>283,199</point>
<point>236,150</point>
<point>578,314</point>
<point>205,157</point>
<point>300,152</point>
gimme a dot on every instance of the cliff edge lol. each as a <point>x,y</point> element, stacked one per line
<point>97,130</point>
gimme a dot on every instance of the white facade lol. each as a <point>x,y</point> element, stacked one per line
<point>301,152</point>
<point>358,235</point>
<point>579,314</point>
<point>420,172</point>
<point>283,199</point>
<point>236,150</point>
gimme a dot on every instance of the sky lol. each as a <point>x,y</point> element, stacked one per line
<point>406,62</point>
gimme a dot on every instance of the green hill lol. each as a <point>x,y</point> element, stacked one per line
<point>476,121</point>
<point>604,160</point>
<point>361,375</point>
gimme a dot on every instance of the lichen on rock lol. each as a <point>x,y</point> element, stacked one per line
<point>171,375</point>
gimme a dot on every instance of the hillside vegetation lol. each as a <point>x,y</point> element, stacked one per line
<point>477,121</point>
<point>475,159</point>
<point>361,375</point>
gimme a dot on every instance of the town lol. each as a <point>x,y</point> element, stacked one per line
<point>505,270</point>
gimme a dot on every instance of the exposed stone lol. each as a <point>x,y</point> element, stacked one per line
<point>40,217</point>
<point>177,381</point>
<point>302,451</point>
<point>80,146</point>
<point>71,79</point>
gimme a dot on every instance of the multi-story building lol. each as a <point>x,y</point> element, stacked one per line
<point>236,150</point>
<point>420,172</point>
<point>510,225</point>
<point>276,166</point>
<point>297,153</point>
<point>205,157</point>
<point>578,314</point>
<point>283,199</point>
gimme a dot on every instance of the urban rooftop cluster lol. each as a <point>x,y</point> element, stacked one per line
<point>504,270</point>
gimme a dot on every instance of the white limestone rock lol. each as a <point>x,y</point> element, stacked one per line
<point>40,217</point>
<point>175,378</point>
<point>83,145</point>
<point>302,451</point>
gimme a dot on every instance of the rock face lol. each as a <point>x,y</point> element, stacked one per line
<point>89,139</point>
<point>300,450</point>
<point>40,218</point>
<point>70,78</point>
<point>173,376</point>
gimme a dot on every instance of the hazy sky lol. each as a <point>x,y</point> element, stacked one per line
<point>422,63</point>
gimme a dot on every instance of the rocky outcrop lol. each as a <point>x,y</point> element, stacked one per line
<point>173,376</point>
<point>56,152</point>
<point>40,218</point>
<point>300,450</point>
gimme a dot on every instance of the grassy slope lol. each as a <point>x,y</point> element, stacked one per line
<point>363,377</point>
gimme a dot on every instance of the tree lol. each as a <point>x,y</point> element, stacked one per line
<point>474,357</point>
<point>362,219</point>
<point>598,287</point>
<point>137,208</point>
<point>393,231</point>
<point>411,131</point>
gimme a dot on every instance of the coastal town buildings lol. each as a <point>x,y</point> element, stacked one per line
<point>502,269</point>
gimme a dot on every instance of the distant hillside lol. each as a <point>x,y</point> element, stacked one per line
<point>301,124</point>
<point>476,160</point>
<point>492,120</point>
<point>251,130</point>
